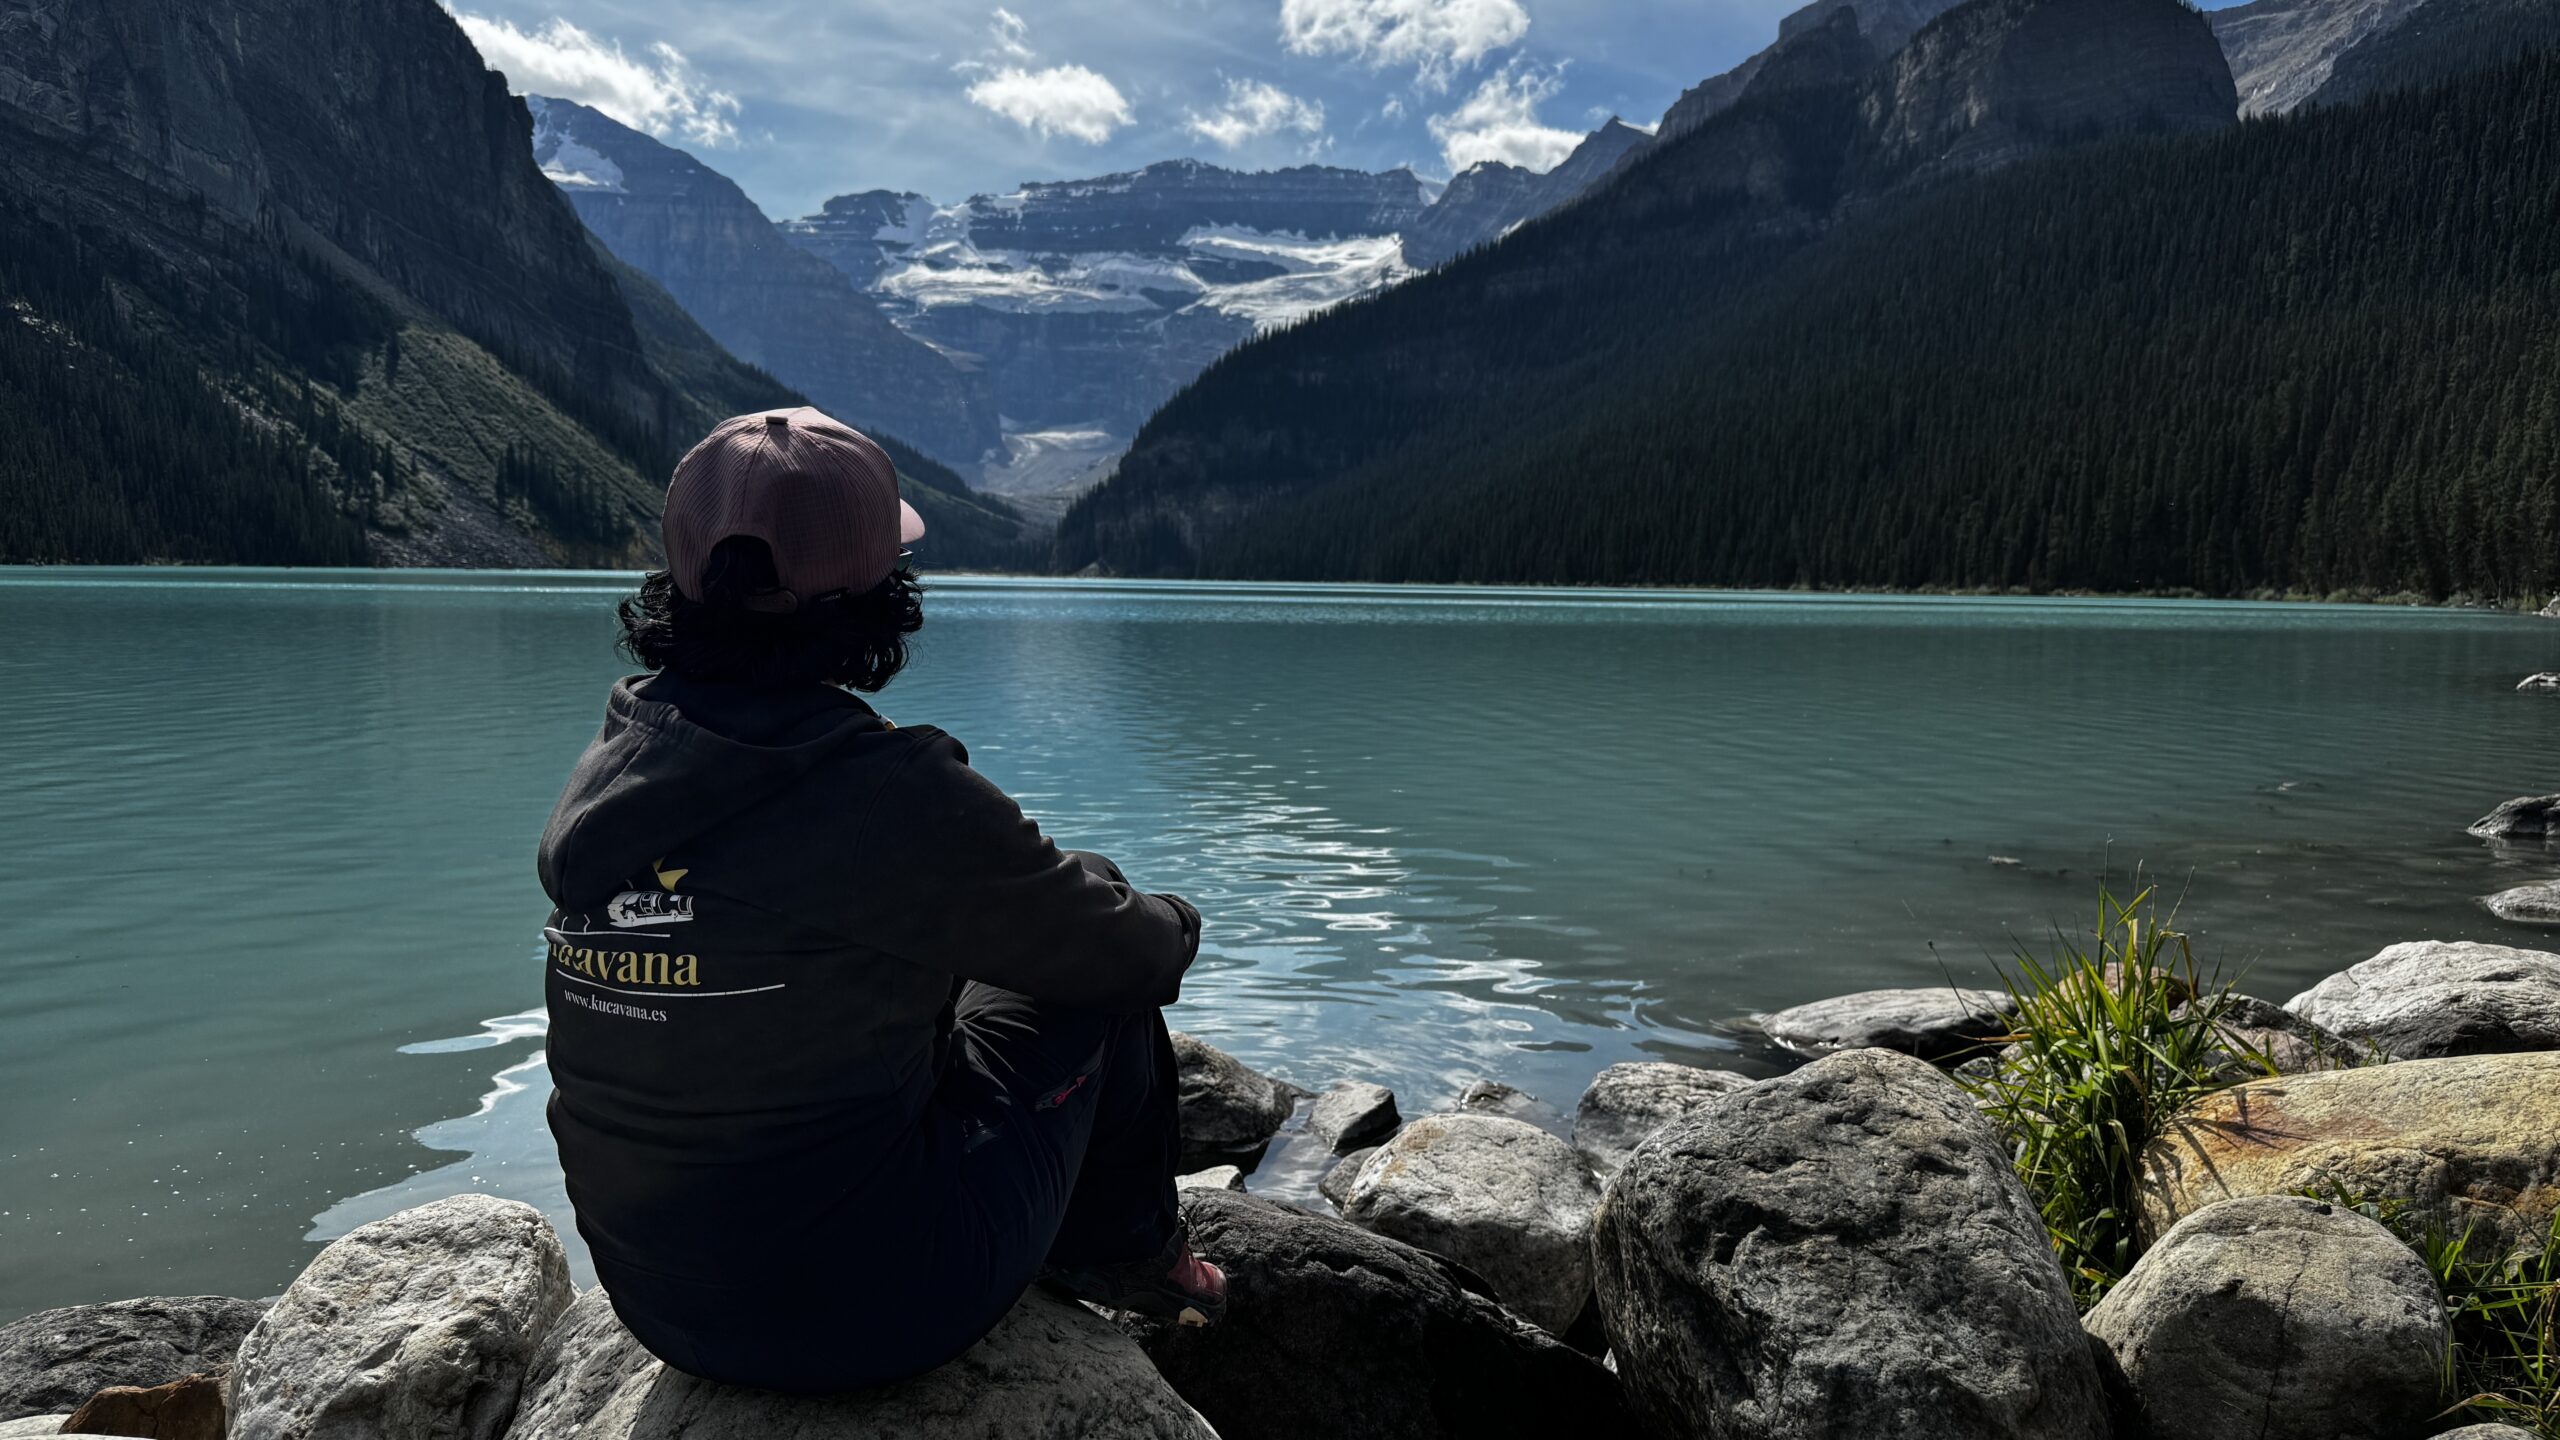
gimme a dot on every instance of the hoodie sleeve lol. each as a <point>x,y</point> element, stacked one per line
<point>952,875</point>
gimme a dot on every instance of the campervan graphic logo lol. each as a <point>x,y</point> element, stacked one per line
<point>647,907</point>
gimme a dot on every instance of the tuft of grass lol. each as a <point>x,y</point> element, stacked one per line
<point>2504,1311</point>
<point>2115,1032</point>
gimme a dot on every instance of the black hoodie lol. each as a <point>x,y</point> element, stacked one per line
<point>763,905</point>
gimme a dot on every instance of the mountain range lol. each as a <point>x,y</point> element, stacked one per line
<point>305,284</point>
<point>2013,305</point>
<point>288,286</point>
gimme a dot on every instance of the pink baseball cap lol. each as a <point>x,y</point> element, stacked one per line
<point>820,495</point>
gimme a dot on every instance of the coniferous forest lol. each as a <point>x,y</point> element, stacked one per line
<point>2312,355</point>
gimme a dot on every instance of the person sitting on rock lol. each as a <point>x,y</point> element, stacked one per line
<point>846,1053</point>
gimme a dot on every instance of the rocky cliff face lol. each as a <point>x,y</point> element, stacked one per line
<point>695,232</point>
<point>1487,201</point>
<point>1887,25</point>
<point>367,131</point>
<point>2288,53</point>
<point>1994,80</point>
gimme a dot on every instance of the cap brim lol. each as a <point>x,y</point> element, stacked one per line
<point>910,524</point>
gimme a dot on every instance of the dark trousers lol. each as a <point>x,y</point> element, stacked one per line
<point>1051,1139</point>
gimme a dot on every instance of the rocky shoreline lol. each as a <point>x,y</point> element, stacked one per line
<point>1843,1250</point>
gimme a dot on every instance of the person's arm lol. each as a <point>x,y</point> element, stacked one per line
<point>952,875</point>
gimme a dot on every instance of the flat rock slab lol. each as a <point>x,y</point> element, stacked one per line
<point>1229,1109</point>
<point>30,1427</point>
<point>1935,1024</point>
<point>1840,1252</point>
<point>2472,1139</point>
<point>1499,1196</point>
<point>1335,1333</point>
<point>415,1327</point>
<point>1216,1177</point>
<point>1353,1114</point>
<point>2527,817</point>
<point>2432,998</point>
<point>1628,1102</point>
<point>51,1362</point>
<point>2536,904</point>
<point>2274,1317</point>
<point>1051,1370</point>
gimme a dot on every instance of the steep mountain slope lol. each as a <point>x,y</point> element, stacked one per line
<point>1489,200</point>
<point>1512,338</point>
<point>321,222</point>
<point>2289,53</point>
<point>1888,25</point>
<point>2315,355</point>
<point>696,233</point>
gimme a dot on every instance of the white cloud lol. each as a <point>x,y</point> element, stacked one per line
<point>1010,31</point>
<point>658,94</point>
<point>1500,122</point>
<point>1061,100</point>
<point>1435,37</point>
<point>1252,110</point>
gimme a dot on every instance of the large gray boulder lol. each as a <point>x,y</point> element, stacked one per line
<point>2535,904</point>
<point>1229,1109</point>
<point>54,1360</point>
<point>2274,1317</point>
<point>2487,1432</point>
<point>1353,1114</point>
<point>2433,998</point>
<point>1630,1101</point>
<point>1840,1252</point>
<point>1934,1023</point>
<point>2527,817</point>
<point>1332,1331</point>
<point>416,1327</point>
<point>1499,1196</point>
<point>1050,1370</point>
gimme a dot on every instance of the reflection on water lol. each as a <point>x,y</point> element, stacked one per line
<point>1438,836</point>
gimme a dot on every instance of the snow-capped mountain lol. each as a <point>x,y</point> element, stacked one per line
<point>1088,303</point>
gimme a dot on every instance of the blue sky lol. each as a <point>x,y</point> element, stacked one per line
<point>801,99</point>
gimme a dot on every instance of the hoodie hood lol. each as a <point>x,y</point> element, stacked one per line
<point>655,778</point>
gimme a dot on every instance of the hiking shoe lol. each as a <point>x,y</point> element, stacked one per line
<point>1173,1284</point>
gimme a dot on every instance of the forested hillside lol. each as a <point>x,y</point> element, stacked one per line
<point>2310,355</point>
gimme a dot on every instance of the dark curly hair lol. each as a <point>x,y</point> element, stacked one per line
<point>733,635</point>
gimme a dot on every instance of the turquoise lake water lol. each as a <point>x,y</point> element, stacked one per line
<point>271,953</point>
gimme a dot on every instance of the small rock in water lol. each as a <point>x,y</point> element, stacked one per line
<point>189,1409</point>
<point>417,1327</point>
<point>51,1362</point>
<point>1937,1023</point>
<point>1499,1196</point>
<point>1051,1368</point>
<point>1630,1101</point>
<point>1336,1333</point>
<point>1229,1109</point>
<point>1216,1177</point>
<point>2277,1318</point>
<point>2470,1141</point>
<point>1336,1184</point>
<point>2527,817</point>
<point>1353,1114</point>
<point>2007,861</point>
<point>1843,1251</point>
<point>2550,611</point>
<point>2536,904</point>
<point>2431,998</point>
<point>2547,680</point>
